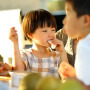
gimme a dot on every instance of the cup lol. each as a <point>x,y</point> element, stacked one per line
<point>16,78</point>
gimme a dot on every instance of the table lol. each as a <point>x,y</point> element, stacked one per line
<point>5,84</point>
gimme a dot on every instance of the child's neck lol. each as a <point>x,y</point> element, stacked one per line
<point>39,48</point>
<point>40,51</point>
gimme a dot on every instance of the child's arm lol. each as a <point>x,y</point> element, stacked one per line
<point>18,63</point>
<point>60,48</point>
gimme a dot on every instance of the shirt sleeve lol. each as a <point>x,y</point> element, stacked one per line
<point>82,63</point>
<point>24,57</point>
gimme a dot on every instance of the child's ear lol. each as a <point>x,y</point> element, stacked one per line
<point>87,20</point>
<point>30,35</point>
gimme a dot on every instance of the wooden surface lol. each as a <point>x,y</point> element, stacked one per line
<point>4,78</point>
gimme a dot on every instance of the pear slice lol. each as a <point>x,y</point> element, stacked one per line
<point>52,45</point>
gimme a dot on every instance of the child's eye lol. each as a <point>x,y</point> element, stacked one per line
<point>44,30</point>
<point>53,30</point>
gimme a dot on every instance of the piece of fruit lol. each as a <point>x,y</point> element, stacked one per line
<point>29,81</point>
<point>52,45</point>
<point>48,83</point>
<point>71,84</point>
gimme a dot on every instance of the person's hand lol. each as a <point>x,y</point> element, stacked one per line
<point>66,70</point>
<point>60,48</point>
<point>13,35</point>
<point>59,45</point>
<point>4,68</point>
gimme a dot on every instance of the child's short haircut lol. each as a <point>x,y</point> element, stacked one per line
<point>82,7</point>
<point>35,19</point>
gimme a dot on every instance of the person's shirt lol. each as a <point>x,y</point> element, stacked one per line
<point>44,66</point>
<point>82,62</point>
<point>69,45</point>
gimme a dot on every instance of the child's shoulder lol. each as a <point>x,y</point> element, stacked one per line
<point>26,51</point>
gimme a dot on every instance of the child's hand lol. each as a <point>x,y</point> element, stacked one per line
<point>60,48</point>
<point>59,45</point>
<point>66,70</point>
<point>13,35</point>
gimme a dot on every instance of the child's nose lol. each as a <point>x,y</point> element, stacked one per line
<point>50,35</point>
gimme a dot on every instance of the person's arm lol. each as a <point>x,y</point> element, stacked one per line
<point>60,35</point>
<point>68,44</point>
<point>60,48</point>
<point>18,62</point>
<point>62,51</point>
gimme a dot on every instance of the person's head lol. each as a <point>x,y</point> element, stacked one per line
<point>39,26</point>
<point>77,20</point>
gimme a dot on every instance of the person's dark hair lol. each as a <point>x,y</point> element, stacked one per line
<point>81,7</point>
<point>37,18</point>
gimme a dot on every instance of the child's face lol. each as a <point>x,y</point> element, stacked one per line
<point>72,24</point>
<point>42,35</point>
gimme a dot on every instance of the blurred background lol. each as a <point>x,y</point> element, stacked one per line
<point>12,13</point>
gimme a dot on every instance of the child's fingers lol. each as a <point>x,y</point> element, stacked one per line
<point>64,67</point>
<point>1,63</point>
<point>12,34</point>
<point>12,30</point>
<point>63,73</point>
<point>67,69</point>
<point>57,42</point>
<point>1,68</point>
<point>6,67</point>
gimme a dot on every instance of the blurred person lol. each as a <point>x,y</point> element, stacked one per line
<point>77,25</point>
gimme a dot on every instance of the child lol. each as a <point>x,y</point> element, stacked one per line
<point>77,25</point>
<point>40,27</point>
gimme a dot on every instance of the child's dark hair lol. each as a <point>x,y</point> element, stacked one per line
<point>81,7</point>
<point>37,18</point>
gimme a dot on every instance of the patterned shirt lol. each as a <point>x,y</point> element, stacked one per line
<point>44,66</point>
